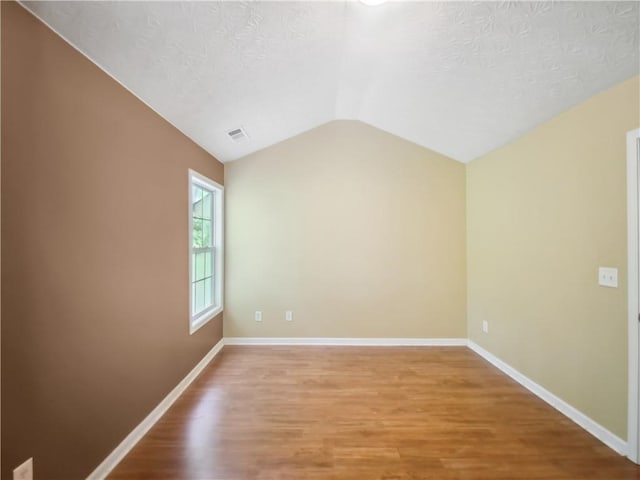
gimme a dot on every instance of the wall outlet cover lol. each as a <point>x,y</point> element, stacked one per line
<point>24,471</point>
<point>608,277</point>
<point>485,326</point>
<point>258,316</point>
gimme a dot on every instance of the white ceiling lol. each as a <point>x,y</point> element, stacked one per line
<point>459,78</point>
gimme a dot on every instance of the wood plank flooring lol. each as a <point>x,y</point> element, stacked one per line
<point>366,413</point>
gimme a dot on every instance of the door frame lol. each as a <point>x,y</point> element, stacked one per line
<point>633,283</point>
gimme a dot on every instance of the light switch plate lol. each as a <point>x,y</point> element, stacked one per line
<point>608,277</point>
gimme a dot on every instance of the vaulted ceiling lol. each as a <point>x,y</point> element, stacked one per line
<point>460,78</point>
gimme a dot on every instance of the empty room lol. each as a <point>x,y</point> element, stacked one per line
<point>323,240</point>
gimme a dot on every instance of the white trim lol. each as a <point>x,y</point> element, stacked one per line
<point>633,237</point>
<point>196,322</point>
<point>138,432</point>
<point>591,426</point>
<point>336,341</point>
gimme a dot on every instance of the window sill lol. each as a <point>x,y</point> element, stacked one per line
<point>203,319</point>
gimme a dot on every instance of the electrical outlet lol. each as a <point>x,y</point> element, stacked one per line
<point>485,326</point>
<point>24,471</point>
<point>288,316</point>
<point>258,316</point>
<point>608,277</point>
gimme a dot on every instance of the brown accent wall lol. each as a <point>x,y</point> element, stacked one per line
<point>94,247</point>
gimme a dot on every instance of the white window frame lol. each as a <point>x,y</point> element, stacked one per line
<point>198,320</point>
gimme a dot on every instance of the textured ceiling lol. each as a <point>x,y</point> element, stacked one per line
<point>461,78</point>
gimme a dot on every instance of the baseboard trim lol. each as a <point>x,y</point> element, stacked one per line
<point>594,428</point>
<point>137,433</point>
<point>355,342</point>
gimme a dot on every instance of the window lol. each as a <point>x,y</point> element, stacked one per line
<point>205,249</point>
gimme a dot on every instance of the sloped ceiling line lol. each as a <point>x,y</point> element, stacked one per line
<point>460,78</point>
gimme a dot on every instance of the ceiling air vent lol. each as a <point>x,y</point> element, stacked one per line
<point>238,135</point>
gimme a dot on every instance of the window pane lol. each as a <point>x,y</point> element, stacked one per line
<point>193,299</point>
<point>197,201</point>
<point>200,266</point>
<point>196,193</point>
<point>208,292</point>
<point>193,267</point>
<point>197,233</point>
<point>199,289</point>
<point>208,267</point>
<point>206,233</point>
<point>206,204</point>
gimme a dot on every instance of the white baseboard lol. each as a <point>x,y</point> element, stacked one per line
<point>137,433</point>
<point>336,341</point>
<point>591,426</point>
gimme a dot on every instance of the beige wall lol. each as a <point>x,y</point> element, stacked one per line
<point>544,212</point>
<point>358,232</point>
<point>95,328</point>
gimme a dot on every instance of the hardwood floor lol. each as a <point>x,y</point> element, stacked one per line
<point>292,413</point>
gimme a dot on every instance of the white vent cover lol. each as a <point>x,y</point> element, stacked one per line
<point>238,135</point>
